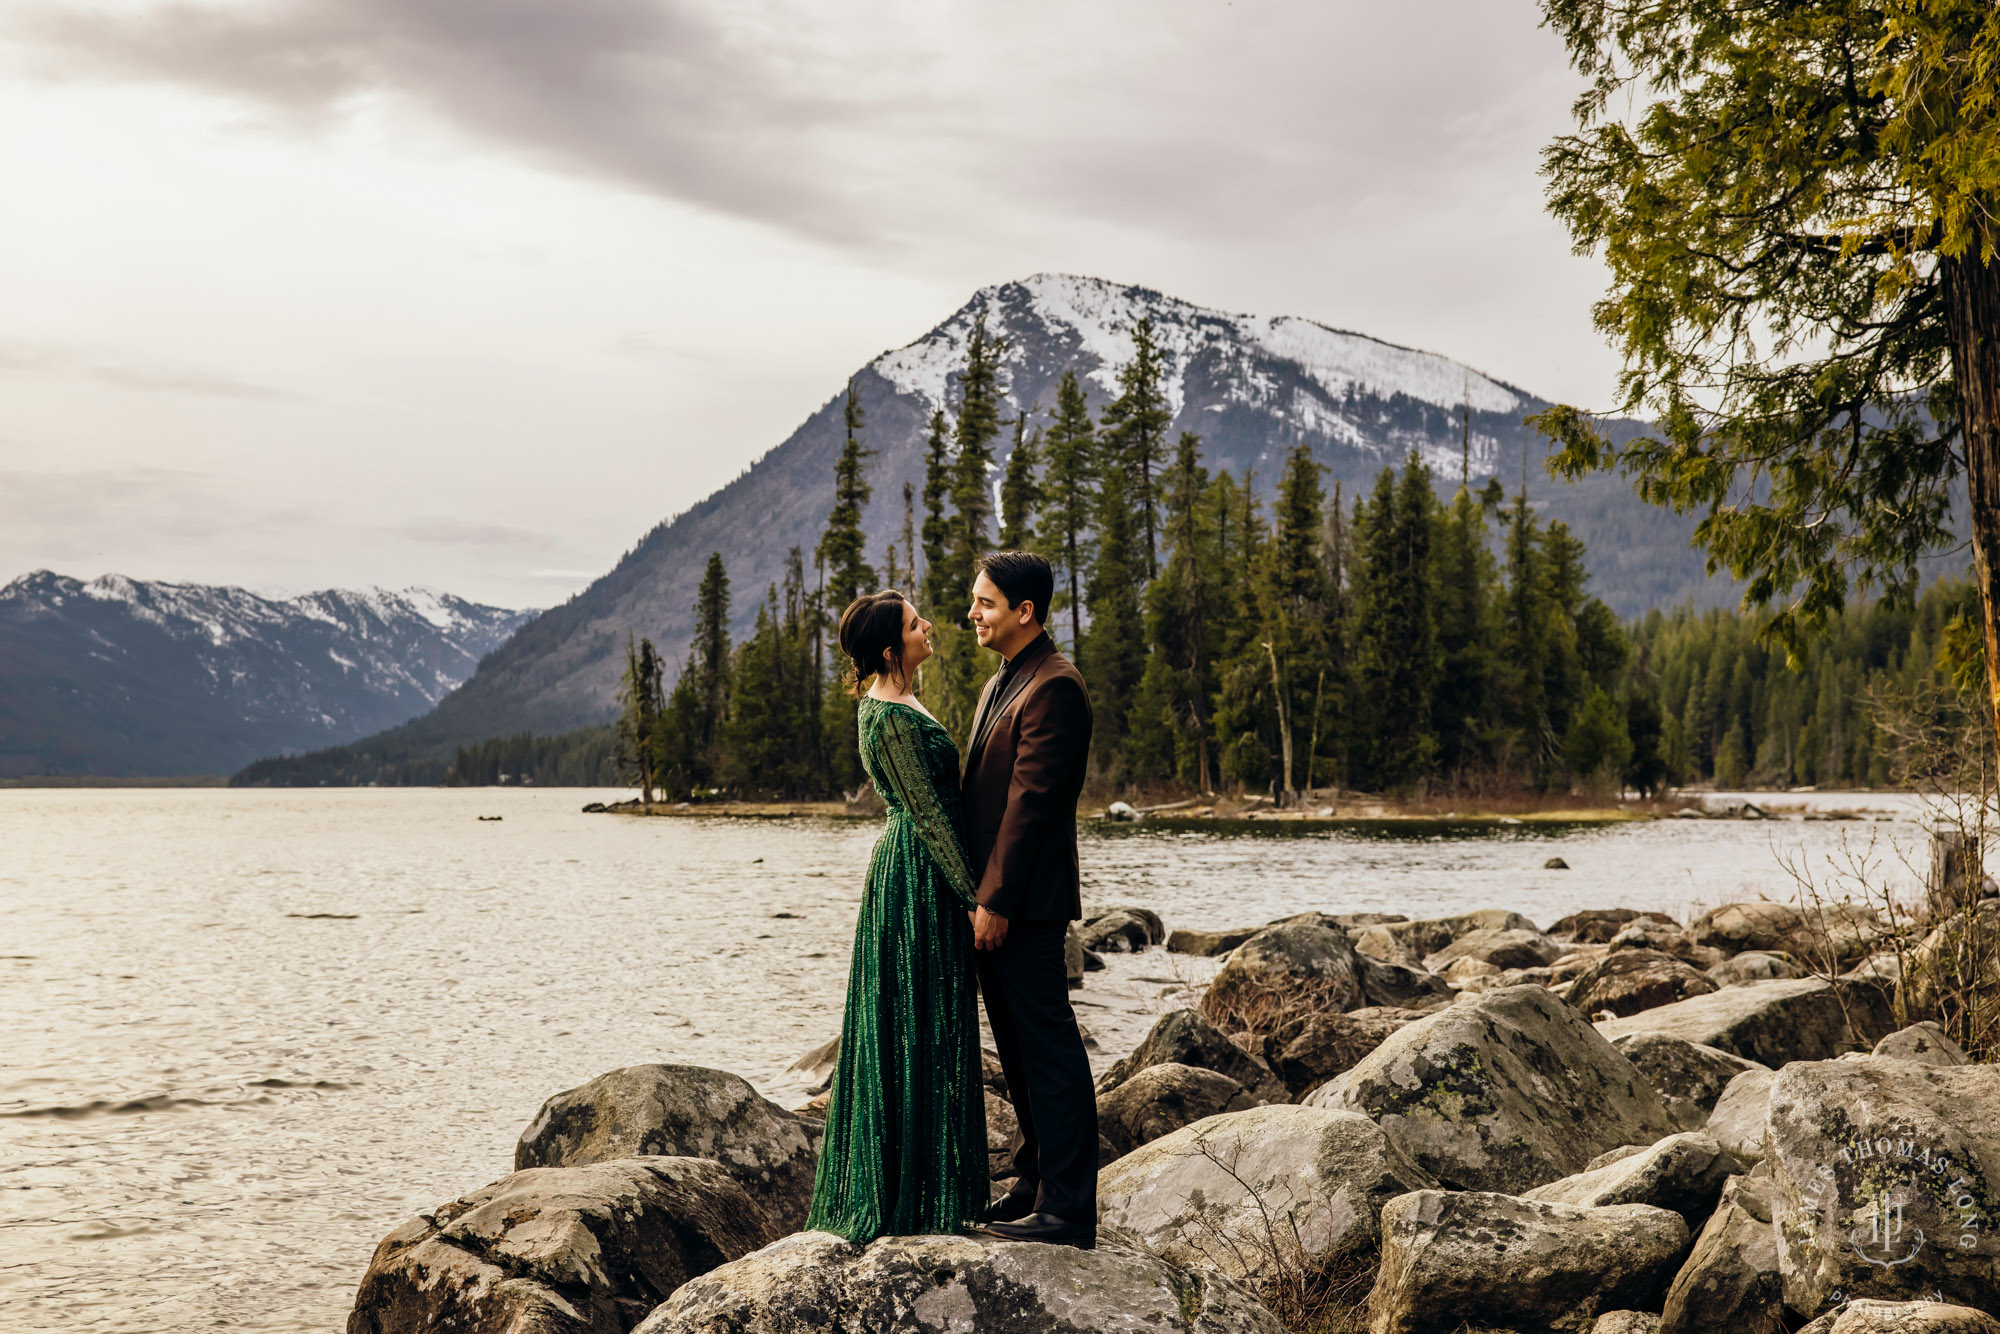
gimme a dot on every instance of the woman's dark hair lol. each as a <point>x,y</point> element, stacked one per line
<point>871,625</point>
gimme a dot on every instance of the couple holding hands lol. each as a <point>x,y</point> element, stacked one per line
<point>972,880</point>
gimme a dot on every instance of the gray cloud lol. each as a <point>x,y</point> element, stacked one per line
<point>653,95</point>
<point>122,370</point>
<point>442,530</point>
<point>877,123</point>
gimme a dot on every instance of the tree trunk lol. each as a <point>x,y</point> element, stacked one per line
<point>1290,794</point>
<point>1972,314</point>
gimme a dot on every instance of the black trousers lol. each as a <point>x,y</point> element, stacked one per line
<point>1048,1075</point>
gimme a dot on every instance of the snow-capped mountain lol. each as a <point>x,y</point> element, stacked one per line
<point>1250,386</point>
<point>124,676</point>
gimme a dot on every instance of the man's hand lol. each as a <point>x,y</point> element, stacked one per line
<point>989,930</point>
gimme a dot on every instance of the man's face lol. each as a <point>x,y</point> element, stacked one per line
<point>1000,627</point>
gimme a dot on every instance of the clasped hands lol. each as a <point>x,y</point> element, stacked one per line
<point>989,929</point>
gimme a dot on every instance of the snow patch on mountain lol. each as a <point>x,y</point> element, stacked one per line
<point>1093,320</point>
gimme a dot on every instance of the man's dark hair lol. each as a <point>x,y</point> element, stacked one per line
<point>1022,576</point>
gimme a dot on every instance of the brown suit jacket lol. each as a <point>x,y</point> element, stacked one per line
<point>1023,774</point>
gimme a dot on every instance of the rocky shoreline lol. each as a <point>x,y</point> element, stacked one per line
<point>1614,1125</point>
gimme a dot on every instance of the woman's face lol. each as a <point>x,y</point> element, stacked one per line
<point>916,641</point>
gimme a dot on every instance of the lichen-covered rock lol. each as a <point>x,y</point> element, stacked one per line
<point>1182,1037</point>
<point>1307,1052</point>
<point>559,1250</point>
<point>1118,932</point>
<point>1503,947</point>
<point>1156,928</point>
<point>1683,1173</point>
<point>1767,1022</point>
<point>1283,971</point>
<point>1504,1092</point>
<point>1926,1043</point>
<point>1626,1322</point>
<point>1755,966</point>
<point>1208,944</point>
<point>1650,935</point>
<point>1735,927</point>
<point>1003,1128</point>
<point>1161,1099</point>
<point>1877,1317</point>
<point>1688,1076</point>
<point>1408,942</point>
<point>681,1111</point>
<point>1451,1259</point>
<point>1239,1190</point>
<point>1886,1177</point>
<point>816,1283</point>
<point>1385,984</point>
<point>1628,981</point>
<point>1595,926</point>
<point>1737,1123</point>
<point>1730,1280</point>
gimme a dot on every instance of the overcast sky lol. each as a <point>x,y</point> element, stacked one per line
<point>471,293</point>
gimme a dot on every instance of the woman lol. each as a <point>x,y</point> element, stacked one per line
<point>905,1146</point>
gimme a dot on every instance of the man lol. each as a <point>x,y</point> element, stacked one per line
<point>1024,771</point>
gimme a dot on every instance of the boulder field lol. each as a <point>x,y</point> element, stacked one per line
<point>1617,1125</point>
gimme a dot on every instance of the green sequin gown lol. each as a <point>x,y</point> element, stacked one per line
<point>905,1146</point>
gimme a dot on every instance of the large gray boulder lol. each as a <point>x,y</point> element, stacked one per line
<point>559,1250</point>
<point>1595,926</point>
<point>1408,942</point>
<point>1627,981</point>
<point>1208,944</point>
<point>1683,1173</point>
<point>1878,1317</point>
<point>1688,1076</point>
<point>1926,1043</point>
<point>1627,1322</point>
<point>1503,947</point>
<point>1735,927</point>
<point>1256,1191</point>
<point>1737,1123</point>
<point>1161,1099</point>
<point>1385,984</point>
<point>1307,1052</point>
<point>1886,1175</point>
<point>1507,1091</point>
<point>1453,1259</point>
<point>1283,971</point>
<point>1767,1022</point>
<point>1182,1037</point>
<point>1755,966</point>
<point>681,1111</point>
<point>1730,1281</point>
<point>817,1283</point>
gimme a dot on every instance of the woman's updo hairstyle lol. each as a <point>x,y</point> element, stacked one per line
<point>871,626</point>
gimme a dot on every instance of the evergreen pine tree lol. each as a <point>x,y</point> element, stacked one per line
<point>1294,599</point>
<point>639,698</point>
<point>844,546</point>
<point>1069,494</point>
<point>1020,490</point>
<point>1114,649</point>
<point>1133,434</point>
<point>709,660</point>
<point>1462,708</point>
<point>972,442</point>
<point>1395,637</point>
<point>1171,732</point>
<point>937,523</point>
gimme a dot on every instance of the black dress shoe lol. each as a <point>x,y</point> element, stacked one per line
<point>1047,1227</point>
<point>1014,1204</point>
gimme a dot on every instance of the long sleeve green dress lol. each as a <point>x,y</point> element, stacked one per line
<point>905,1146</point>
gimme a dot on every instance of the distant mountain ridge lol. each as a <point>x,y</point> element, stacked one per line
<point>1251,386</point>
<point>126,677</point>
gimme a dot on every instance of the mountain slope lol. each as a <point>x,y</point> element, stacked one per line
<point>122,677</point>
<point>1251,386</point>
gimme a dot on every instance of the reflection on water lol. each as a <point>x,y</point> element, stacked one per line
<point>246,1033</point>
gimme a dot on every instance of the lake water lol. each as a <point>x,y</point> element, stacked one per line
<point>244,1034</point>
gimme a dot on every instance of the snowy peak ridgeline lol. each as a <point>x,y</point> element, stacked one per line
<point>1285,378</point>
<point>123,676</point>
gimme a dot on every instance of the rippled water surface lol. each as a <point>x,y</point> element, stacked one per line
<point>244,1034</point>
